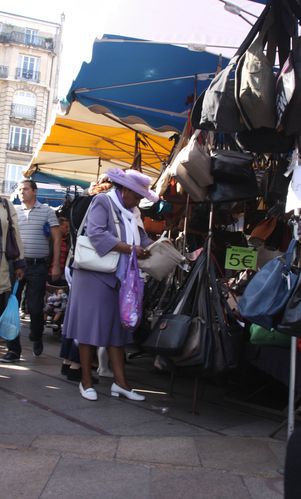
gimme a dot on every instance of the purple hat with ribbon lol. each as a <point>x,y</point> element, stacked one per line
<point>133,180</point>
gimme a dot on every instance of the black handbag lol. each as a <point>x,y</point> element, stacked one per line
<point>290,323</point>
<point>169,335</point>
<point>288,92</point>
<point>230,166</point>
<point>265,140</point>
<point>234,176</point>
<point>12,251</point>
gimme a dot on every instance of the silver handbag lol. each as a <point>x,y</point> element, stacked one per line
<point>164,258</point>
<point>86,256</point>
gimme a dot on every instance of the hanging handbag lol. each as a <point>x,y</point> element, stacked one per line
<point>219,108</point>
<point>189,185</point>
<point>255,83</point>
<point>262,231</point>
<point>234,176</point>
<point>288,92</point>
<point>169,334</point>
<point>265,140</point>
<point>197,349</point>
<point>197,161</point>
<point>290,323</point>
<point>271,337</point>
<point>86,256</point>
<point>269,290</point>
<point>10,318</point>
<point>12,251</point>
<point>181,175</point>
<point>229,165</point>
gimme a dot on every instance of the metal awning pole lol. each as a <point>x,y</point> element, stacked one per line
<point>293,357</point>
<point>292,382</point>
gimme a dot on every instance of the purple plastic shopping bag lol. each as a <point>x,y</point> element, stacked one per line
<point>131,295</point>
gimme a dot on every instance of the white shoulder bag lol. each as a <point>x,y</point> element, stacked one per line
<point>86,256</point>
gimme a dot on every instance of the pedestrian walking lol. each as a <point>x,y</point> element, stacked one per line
<point>37,223</point>
<point>18,264</point>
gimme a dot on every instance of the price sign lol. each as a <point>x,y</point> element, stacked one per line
<point>240,258</point>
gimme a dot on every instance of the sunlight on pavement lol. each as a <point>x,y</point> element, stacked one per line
<point>14,367</point>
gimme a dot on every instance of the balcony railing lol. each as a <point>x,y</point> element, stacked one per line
<point>20,148</point>
<point>28,75</point>
<point>23,112</point>
<point>27,39</point>
<point>3,71</point>
<point>8,186</point>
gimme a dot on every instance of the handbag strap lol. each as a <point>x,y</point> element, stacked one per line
<point>289,255</point>
<point>195,273</point>
<point>6,206</point>
<point>116,221</point>
<point>15,288</point>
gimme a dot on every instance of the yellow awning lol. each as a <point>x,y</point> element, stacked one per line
<point>81,140</point>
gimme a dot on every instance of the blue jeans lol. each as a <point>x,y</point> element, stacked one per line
<point>35,280</point>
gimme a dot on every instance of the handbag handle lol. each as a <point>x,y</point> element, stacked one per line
<point>289,255</point>
<point>15,288</point>
<point>133,261</point>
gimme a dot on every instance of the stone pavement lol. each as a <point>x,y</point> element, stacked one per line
<point>55,444</point>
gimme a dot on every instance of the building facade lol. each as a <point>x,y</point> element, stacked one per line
<point>29,69</point>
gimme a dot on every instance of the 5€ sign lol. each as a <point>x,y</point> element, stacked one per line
<point>240,258</point>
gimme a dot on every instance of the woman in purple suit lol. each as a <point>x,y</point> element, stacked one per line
<point>92,316</point>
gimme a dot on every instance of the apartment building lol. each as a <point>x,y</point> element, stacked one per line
<point>29,68</point>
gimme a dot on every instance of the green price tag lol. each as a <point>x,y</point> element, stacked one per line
<point>240,258</point>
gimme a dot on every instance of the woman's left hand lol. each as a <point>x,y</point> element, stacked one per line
<point>142,252</point>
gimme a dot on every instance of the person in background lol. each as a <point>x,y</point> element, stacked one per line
<point>64,250</point>
<point>55,306</point>
<point>92,314</point>
<point>19,264</point>
<point>37,223</point>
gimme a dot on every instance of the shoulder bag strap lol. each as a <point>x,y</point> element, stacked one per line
<point>6,206</point>
<point>116,221</point>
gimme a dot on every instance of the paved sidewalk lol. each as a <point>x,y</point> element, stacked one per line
<point>55,444</point>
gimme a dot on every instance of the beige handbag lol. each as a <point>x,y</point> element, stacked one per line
<point>190,186</point>
<point>197,161</point>
<point>255,82</point>
<point>163,259</point>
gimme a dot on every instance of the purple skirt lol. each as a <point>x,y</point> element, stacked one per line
<point>92,314</point>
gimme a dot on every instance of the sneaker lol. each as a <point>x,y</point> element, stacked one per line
<point>10,357</point>
<point>37,348</point>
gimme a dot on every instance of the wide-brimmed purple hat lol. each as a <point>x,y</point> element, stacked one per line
<point>133,180</point>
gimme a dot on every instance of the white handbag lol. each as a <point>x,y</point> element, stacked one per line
<point>86,256</point>
<point>164,258</point>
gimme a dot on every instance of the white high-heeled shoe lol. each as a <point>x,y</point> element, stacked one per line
<point>116,390</point>
<point>88,393</point>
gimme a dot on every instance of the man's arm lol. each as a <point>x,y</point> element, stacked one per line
<point>56,238</point>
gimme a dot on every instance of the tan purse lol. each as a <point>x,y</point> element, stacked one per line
<point>164,258</point>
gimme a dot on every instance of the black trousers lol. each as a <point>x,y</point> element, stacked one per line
<point>35,281</point>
